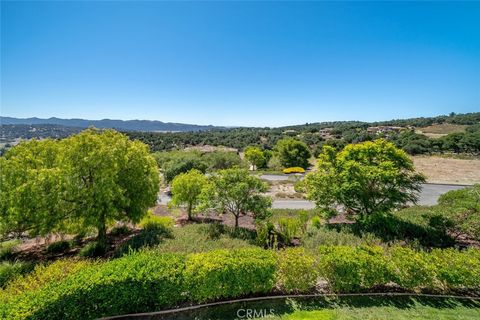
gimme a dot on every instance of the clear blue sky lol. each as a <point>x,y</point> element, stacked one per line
<point>259,64</point>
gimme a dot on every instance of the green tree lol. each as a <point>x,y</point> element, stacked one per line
<point>87,180</point>
<point>292,153</point>
<point>236,192</point>
<point>186,190</point>
<point>110,178</point>
<point>365,178</point>
<point>255,157</point>
<point>30,188</point>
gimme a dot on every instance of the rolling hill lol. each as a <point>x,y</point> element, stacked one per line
<point>126,125</point>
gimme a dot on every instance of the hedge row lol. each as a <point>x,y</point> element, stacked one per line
<point>147,281</point>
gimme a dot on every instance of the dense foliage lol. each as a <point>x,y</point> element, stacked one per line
<point>186,190</point>
<point>147,281</point>
<point>87,180</point>
<point>236,192</point>
<point>364,178</point>
<point>255,157</point>
<point>292,153</point>
<point>342,133</point>
<point>174,163</point>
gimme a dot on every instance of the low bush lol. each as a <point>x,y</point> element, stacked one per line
<point>40,276</point>
<point>412,225</point>
<point>150,219</point>
<point>317,222</point>
<point>282,227</point>
<point>120,231</point>
<point>411,268</point>
<point>146,280</point>
<point>296,270</point>
<point>229,273</point>
<point>7,249</point>
<point>195,238</point>
<point>152,234</point>
<point>457,269</point>
<point>293,170</point>
<point>351,269</point>
<point>93,249</point>
<point>11,270</point>
<point>58,247</point>
<point>136,283</point>
<point>323,236</point>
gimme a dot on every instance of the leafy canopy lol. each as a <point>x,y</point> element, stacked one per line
<point>292,153</point>
<point>87,180</point>
<point>186,190</point>
<point>365,178</point>
<point>255,157</point>
<point>237,192</point>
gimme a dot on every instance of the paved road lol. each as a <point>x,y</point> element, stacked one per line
<point>428,196</point>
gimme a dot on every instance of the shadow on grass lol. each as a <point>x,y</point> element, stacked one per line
<point>285,306</point>
<point>150,236</point>
<point>216,230</point>
<point>389,228</point>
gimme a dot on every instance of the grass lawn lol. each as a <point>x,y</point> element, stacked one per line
<point>389,309</point>
<point>387,313</point>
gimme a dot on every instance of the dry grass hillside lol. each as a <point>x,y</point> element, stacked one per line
<point>440,130</point>
<point>448,170</point>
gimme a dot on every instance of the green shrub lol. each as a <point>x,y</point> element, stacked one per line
<point>58,247</point>
<point>195,238</point>
<point>412,268</point>
<point>135,283</point>
<point>289,228</point>
<point>93,249</point>
<point>350,269</point>
<point>40,276</point>
<point>317,222</point>
<point>293,170</point>
<point>152,234</point>
<point>11,270</point>
<point>150,219</point>
<point>322,236</point>
<point>411,225</point>
<point>145,281</point>
<point>457,269</point>
<point>120,231</point>
<point>296,271</point>
<point>229,273</point>
<point>267,236</point>
<point>7,249</point>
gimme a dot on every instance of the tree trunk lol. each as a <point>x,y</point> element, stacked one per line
<point>236,221</point>
<point>189,211</point>
<point>102,231</point>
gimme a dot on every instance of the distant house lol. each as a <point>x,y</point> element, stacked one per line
<point>384,129</point>
<point>290,132</point>
<point>326,133</point>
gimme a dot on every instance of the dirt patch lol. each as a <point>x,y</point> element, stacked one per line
<point>442,129</point>
<point>181,219</point>
<point>448,170</point>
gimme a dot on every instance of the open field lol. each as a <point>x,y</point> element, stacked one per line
<point>440,130</point>
<point>448,170</point>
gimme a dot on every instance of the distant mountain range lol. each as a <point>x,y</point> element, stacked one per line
<point>128,125</point>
